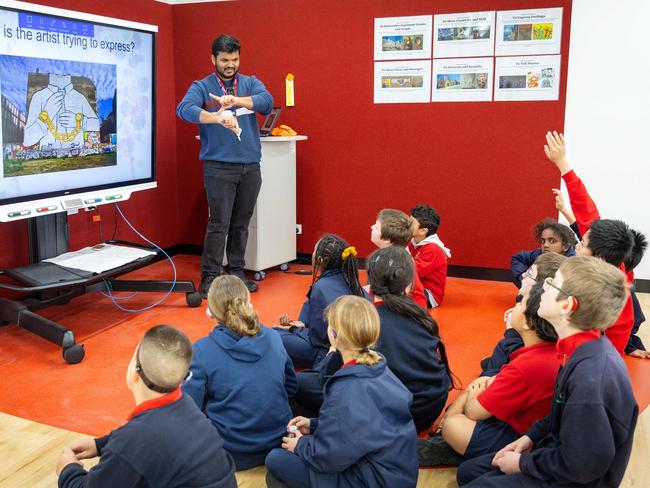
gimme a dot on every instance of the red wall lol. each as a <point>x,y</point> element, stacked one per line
<point>153,212</point>
<point>480,164</point>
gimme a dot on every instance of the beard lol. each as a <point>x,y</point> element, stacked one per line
<point>226,76</point>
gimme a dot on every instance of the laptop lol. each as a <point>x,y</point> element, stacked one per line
<point>270,121</point>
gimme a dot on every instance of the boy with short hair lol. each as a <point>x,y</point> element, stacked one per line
<point>587,438</point>
<point>429,253</point>
<point>611,240</point>
<point>395,228</point>
<point>167,440</point>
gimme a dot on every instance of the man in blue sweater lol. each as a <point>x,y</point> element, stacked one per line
<point>167,440</point>
<point>587,438</point>
<point>224,104</point>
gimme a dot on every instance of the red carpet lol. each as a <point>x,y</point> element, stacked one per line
<point>92,397</point>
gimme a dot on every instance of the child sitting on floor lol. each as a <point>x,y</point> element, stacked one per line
<point>429,253</point>
<point>334,273</point>
<point>166,441</point>
<point>610,240</point>
<point>395,228</point>
<point>494,411</point>
<point>587,438</point>
<point>545,265</point>
<point>552,237</point>
<point>409,341</point>
<point>364,435</point>
<point>242,374</point>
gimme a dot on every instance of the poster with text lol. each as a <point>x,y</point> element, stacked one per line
<point>527,78</point>
<point>403,37</point>
<point>462,80</point>
<point>526,32</point>
<point>403,82</point>
<point>468,34</point>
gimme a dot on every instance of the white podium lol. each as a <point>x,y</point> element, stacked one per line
<point>272,231</point>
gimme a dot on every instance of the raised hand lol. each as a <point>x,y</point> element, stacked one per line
<point>556,152</point>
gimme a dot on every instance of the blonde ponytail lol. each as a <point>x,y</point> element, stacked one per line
<point>229,303</point>
<point>241,318</point>
<point>356,323</point>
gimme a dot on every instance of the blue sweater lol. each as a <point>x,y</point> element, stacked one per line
<point>412,354</point>
<point>245,383</point>
<point>217,142</point>
<point>364,436</point>
<point>327,288</point>
<point>171,446</point>
<point>587,438</point>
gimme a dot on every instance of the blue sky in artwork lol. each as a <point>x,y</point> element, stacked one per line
<point>14,71</point>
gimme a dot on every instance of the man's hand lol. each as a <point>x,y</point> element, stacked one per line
<point>66,457</point>
<point>226,101</point>
<point>556,152</point>
<point>53,105</point>
<point>640,353</point>
<point>84,448</point>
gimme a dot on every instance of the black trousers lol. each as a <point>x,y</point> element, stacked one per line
<point>232,190</point>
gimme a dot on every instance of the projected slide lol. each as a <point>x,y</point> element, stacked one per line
<point>62,104</point>
<point>77,103</point>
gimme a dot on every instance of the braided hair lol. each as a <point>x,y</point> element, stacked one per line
<point>328,254</point>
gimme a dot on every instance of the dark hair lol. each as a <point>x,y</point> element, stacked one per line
<point>390,272</point>
<point>540,326</point>
<point>329,255</point>
<point>565,233</point>
<point>396,226</point>
<point>611,240</point>
<point>427,217</point>
<point>638,248</point>
<point>225,43</point>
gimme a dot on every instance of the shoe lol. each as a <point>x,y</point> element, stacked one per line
<point>435,451</point>
<point>485,362</point>
<point>250,284</point>
<point>206,281</point>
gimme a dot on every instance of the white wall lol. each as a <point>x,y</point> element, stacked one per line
<point>608,109</point>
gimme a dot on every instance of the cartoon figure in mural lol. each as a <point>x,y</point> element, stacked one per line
<point>58,115</point>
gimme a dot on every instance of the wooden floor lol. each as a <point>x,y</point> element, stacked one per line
<point>29,451</point>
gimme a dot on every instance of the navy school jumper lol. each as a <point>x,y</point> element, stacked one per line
<point>245,384</point>
<point>173,446</point>
<point>364,436</point>
<point>587,438</point>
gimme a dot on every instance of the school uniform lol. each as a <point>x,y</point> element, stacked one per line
<point>364,436</point>
<point>587,438</point>
<point>166,442</point>
<point>411,353</point>
<point>502,350</point>
<point>430,256</point>
<point>520,394</point>
<point>586,212</point>
<point>635,341</point>
<point>245,384</point>
<point>523,260</point>
<point>307,346</point>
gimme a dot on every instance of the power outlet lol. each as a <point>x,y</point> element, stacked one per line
<point>298,229</point>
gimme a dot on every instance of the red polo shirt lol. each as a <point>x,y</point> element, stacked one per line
<point>522,391</point>
<point>566,346</point>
